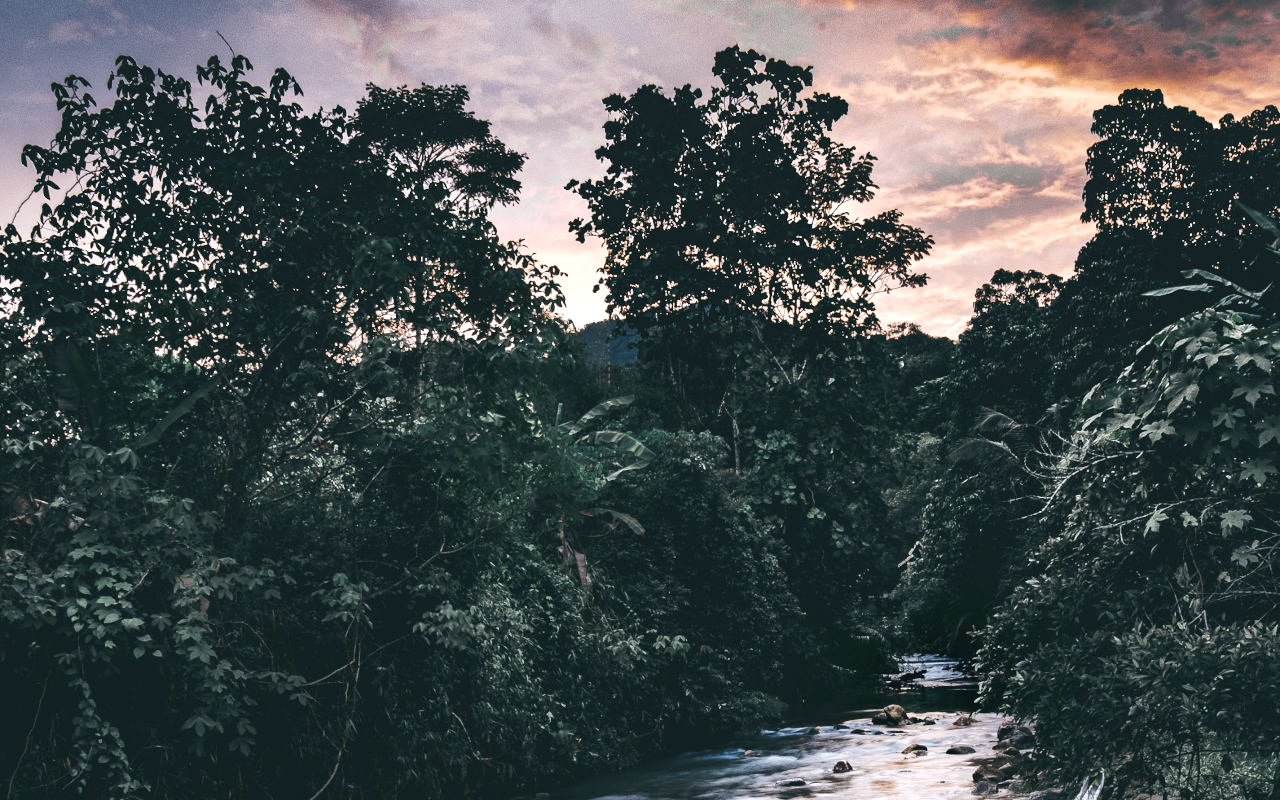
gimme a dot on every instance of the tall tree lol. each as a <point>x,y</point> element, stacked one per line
<point>729,216</point>
<point>1162,186</point>
<point>733,252</point>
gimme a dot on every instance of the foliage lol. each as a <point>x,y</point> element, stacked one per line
<point>966,500</point>
<point>1004,358</point>
<point>1149,607</point>
<point>276,521</point>
<point>733,254</point>
<point>707,571</point>
<point>734,206</point>
<point>1162,187</point>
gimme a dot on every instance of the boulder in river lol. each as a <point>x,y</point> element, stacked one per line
<point>986,772</point>
<point>915,750</point>
<point>959,750</point>
<point>1017,736</point>
<point>985,787</point>
<point>997,768</point>
<point>842,766</point>
<point>814,731</point>
<point>890,715</point>
<point>792,782</point>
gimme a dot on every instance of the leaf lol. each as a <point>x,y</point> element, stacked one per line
<point>1156,431</point>
<point>1258,469</point>
<point>1268,430</point>
<point>1153,522</point>
<point>599,410</point>
<point>1218,279</point>
<point>617,517</point>
<point>625,442</point>
<point>1235,520</point>
<point>1262,221</point>
<point>1258,359</point>
<point>1189,287</point>
<point>1253,391</point>
<point>1186,394</point>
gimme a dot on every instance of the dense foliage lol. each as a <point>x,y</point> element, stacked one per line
<point>305,490</point>
<point>1148,612</point>
<point>293,501</point>
<point>1115,546</point>
<point>734,255</point>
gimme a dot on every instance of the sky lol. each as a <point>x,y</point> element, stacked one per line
<point>978,111</point>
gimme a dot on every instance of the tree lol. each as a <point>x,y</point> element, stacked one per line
<point>1148,601</point>
<point>733,254</point>
<point>729,217</point>
<point>967,504</point>
<point>450,272</point>
<point>203,418</point>
<point>1004,358</point>
<point>1161,188</point>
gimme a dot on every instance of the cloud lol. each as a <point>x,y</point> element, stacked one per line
<point>979,110</point>
<point>591,47</point>
<point>68,31</point>
<point>376,27</point>
<point>950,33</point>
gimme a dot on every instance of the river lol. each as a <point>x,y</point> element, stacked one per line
<point>797,762</point>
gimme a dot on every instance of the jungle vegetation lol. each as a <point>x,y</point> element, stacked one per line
<point>307,489</point>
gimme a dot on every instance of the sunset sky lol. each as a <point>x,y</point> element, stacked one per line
<point>978,110</point>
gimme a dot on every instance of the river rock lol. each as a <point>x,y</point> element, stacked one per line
<point>915,750</point>
<point>963,721</point>
<point>1018,736</point>
<point>959,750</point>
<point>998,768</point>
<point>890,715</point>
<point>1047,794</point>
<point>842,766</point>
<point>792,782</point>
<point>814,731</point>
<point>985,787</point>
<point>839,726</point>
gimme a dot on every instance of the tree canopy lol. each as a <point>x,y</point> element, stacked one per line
<point>736,207</point>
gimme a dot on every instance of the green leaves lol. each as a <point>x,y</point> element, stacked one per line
<point>1236,519</point>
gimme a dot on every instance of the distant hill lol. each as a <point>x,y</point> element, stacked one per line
<point>608,342</point>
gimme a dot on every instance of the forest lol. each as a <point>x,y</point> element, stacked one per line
<point>308,489</point>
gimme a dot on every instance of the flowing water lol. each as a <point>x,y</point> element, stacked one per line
<point>795,762</point>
